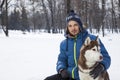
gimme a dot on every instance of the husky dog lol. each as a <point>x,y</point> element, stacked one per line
<point>89,58</point>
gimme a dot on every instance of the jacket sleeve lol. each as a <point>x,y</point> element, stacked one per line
<point>62,58</point>
<point>106,58</point>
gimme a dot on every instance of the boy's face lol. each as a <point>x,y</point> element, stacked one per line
<point>73,28</point>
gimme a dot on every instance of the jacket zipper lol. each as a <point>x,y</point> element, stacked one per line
<point>74,58</point>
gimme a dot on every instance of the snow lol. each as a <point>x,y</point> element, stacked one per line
<point>33,56</point>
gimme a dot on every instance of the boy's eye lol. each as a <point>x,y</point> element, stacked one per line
<point>69,25</point>
<point>75,24</point>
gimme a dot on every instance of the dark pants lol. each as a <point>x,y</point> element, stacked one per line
<point>57,77</point>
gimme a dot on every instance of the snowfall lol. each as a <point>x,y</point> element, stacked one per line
<point>33,56</point>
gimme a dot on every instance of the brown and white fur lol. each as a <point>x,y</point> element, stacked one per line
<point>90,56</point>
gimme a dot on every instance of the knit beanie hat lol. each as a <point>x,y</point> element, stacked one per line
<point>73,16</point>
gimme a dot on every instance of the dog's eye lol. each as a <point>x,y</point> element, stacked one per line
<point>93,49</point>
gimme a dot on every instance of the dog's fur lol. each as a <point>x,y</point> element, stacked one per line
<point>90,56</point>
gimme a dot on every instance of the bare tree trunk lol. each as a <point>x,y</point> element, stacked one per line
<point>52,20</point>
<point>114,22</point>
<point>119,8</point>
<point>33,19</point>
<point>119,12</point>
<point>103,15</point>
<point>68,6</point>
<point>112,16</point>
<point>1,6</point>
<point>51,4</point>
<point>2,3</point>
<point>85,14</point>
<point>5,24</point>
<point>46,16</point>
<point>90,11</point>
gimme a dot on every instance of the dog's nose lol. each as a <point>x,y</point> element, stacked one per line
<point>101,57</point>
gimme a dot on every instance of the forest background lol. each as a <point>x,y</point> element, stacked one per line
<point>49,15</point>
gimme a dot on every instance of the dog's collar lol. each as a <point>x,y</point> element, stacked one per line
<point>90,68</point>
<point>83,71</point>
<point>94,65</point>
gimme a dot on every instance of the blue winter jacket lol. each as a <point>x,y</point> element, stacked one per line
<point>70,51</point>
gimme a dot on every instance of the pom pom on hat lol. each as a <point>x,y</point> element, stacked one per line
<point>73,16</point>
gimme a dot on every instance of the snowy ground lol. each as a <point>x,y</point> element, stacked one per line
<point>33,56</point>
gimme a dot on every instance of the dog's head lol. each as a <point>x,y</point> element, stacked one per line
<point>91,50</point>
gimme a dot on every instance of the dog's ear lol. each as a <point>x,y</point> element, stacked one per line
<point>87,41</point>
<point>97,39</point>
